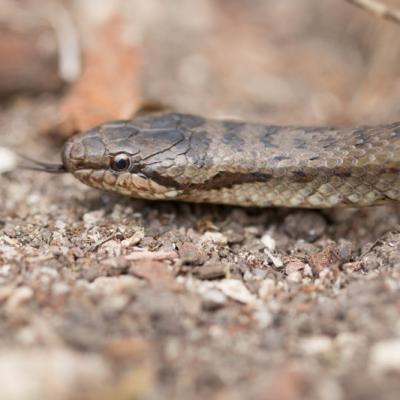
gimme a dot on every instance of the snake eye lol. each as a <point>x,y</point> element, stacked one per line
<point>120,162</point>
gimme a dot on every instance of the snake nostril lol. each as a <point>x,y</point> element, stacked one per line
<point>77,151</point>
<point>73,154</point>
<point>84,152</point>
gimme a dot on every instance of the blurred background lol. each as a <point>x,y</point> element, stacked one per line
<point>296,62</point>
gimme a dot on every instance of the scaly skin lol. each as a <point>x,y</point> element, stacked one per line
<point>189,158</point>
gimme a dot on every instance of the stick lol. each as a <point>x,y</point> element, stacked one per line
<point>377,8</point>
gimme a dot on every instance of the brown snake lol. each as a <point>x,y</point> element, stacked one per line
<point>189,158</point>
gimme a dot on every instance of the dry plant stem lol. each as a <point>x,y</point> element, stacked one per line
<point>377,8</point>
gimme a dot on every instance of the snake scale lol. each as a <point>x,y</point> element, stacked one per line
<point>174,156</point>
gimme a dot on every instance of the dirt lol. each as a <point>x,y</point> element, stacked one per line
<point>108,297</point>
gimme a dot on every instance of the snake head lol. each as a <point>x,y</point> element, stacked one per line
<point>138,157</point>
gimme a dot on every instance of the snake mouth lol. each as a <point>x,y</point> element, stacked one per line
<point>127,183</point>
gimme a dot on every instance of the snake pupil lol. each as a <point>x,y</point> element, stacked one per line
<point>120,162</point>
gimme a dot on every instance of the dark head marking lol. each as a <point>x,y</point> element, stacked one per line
<point>199,143</point>
<point>268,136</point>
<point>191,121</point>
<point>232,130</point>
<point>281,158</point>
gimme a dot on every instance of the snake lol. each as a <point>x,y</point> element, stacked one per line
<point>175,156</point>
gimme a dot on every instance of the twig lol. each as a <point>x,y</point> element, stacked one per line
<point>377,8</point>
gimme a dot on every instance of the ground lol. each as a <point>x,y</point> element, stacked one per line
<point>108,297</point>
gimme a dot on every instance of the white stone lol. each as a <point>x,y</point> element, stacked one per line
<point>20,295</point>
<point>8,160</point>
<point>60,288</point>
<point>214,237</point>
<point>278,263</point>
<point>5,270</point>
<point>268,241</point>
<point>316,345</point>
<point>267,288</point>
<point>385,356</point>
<point>40,373</point>
<point>214,296</point>
<point>236,290</point>
<point>110,285</point>
<point>263,317</point>
<point>92,218</point>
<point>295,277</point>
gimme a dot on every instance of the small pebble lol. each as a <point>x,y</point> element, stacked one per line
<point>263,317</point>
<point>309,225</point>
<point>92,218</point>
<point>212,299</point>
<point>191,254</point>
<point>214,237</point>
<point>211,271</point>
<point>19,296</point>
<point>267,288</point>
<point>8,160</point>
<point>294,266</point>
<point>316,345</point>
<point>236,290</point>
<point>268,241</point>
<point>385,356</point>
<point>295,277</point>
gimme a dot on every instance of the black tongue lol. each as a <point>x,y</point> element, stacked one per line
<point>35,165</point>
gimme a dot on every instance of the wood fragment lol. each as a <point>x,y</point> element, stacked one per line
<point>379,9</point>
<point>108,87</point>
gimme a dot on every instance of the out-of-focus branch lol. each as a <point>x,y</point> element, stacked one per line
<point>377,8</point>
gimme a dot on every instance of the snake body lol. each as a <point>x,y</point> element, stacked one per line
<point>185,157</point>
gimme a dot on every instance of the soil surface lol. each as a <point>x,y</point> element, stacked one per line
<point>106,297</point>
